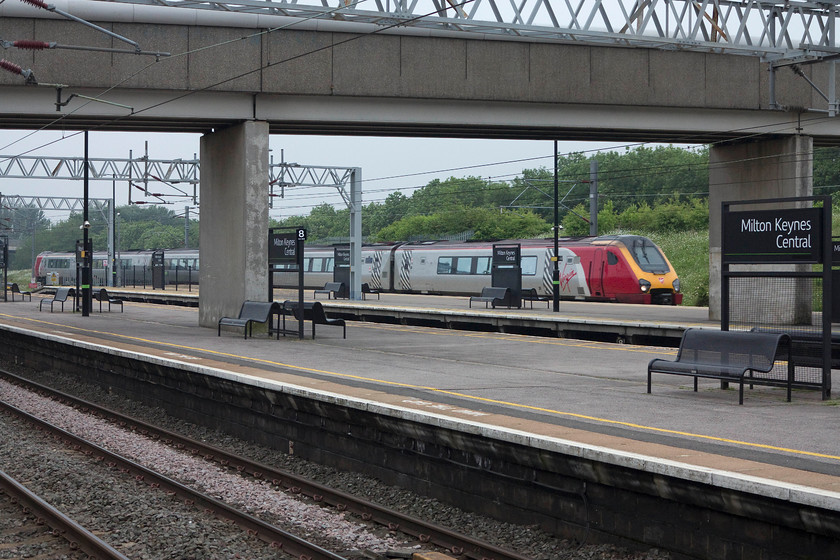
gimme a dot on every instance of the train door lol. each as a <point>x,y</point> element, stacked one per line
<point>596,274</point>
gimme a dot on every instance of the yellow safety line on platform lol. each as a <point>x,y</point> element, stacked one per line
<point>446,392</point>
<point>525,338</point>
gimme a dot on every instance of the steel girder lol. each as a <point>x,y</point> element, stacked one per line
<point>765,28</point>
<point>174,171</point>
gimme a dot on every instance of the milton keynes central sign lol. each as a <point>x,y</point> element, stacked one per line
<point>765,236</point>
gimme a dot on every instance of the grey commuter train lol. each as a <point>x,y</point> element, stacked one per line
<point>618,268</point>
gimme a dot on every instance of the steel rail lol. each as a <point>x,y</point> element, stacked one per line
<point>78,537</point>
<point>442,537</point>
<point>283,540</point>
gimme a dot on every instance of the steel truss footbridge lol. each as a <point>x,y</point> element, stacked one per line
<point>777,31</point>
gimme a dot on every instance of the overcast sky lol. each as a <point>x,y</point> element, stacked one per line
<point>387,164</point>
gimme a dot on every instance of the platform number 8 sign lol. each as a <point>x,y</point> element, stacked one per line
<point>301,234</point>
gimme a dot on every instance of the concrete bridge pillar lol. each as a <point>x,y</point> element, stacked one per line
<point>750,170</point>
<point>234,220</point>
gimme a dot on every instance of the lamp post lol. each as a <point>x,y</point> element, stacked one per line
<point>87,257</point>
<point>555,272</point>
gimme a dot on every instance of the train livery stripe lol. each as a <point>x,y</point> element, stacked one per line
<point>405,270</point>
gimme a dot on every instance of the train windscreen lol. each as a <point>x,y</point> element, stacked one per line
<point>646,254</point>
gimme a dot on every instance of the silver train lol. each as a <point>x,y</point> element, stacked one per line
<point>619,268</point>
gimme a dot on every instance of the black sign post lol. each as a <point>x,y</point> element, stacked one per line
<point>158,270</point>
<point>506,270</point>
<point>285,249</point>
<point>4,263</point>
<point>84,263</point>
<point>341,270</point>
<point>792,235</point>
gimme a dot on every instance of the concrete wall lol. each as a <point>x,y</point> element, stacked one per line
<point>754,170</point>
<point>234,217</point>
<point>291,62</point>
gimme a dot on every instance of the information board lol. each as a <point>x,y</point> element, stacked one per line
<point>506,255</point>
<point>773,236</point>
<point>4,251</point>
<point>283,248</point>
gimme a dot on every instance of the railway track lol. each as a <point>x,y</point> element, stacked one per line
<point>431,536</point>
<point>33,527</point>
<point>278,538</point>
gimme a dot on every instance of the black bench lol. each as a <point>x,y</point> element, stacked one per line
<point>312,311</point>
<point>728,356</point>
<point>494,296</point>
<point>253,312</point>
<point>101,295</point>
<point>806,347</point>
<point>530,294</point>
<point>15,289</point>
<point>366,289</point>
<point>331,289</point>
<point>60,296</point>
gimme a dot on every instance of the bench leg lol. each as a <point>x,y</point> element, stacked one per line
<point>741,392</point>
<point>648,388</point>
<point>791,374</point>
<point>695,384</point>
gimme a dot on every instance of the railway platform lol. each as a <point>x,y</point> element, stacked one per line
<point>585,393</point>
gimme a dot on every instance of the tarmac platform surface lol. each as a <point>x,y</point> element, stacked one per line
<point>592,393</point>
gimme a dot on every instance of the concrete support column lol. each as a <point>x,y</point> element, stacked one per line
<point>234,220</point>
<point>751,170</point>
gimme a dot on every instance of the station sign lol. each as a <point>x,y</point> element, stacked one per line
<point>283,248</point>
<point>342,257</point>
<point>773,236</point>
<point>506,255</point>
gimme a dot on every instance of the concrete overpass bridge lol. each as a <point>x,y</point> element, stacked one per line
<point>711,72</point>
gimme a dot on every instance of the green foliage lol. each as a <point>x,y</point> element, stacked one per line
<point>672,215</point>
<point>688,252</point>
<point>488,224</point>
<point>147,227</point>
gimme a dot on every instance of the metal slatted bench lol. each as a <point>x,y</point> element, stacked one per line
<point>728,356</point>
<point>530,294</point>
<point>60,296</point>
<point>15,289</point>
<point>253,312</point>
<point>102,296</point>
<point>331,289</point>
<point>807,346</point>
<point>367,290</point>
<point>493,296</point>
<point>312,311</point>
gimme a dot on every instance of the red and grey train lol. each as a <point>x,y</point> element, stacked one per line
<point>617,268</point>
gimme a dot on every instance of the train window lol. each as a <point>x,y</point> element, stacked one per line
<point>482,265</point>
<point>317,265</point>
<point>463,265</point>
<point>328,266</point>
<point>647,255</point>
<point>529,265</point>
<point>612,258</point>
<point>444,265</point>
<point>58,263</point>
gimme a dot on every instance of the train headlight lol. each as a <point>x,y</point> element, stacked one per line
<point>644,285</point>
<point>677,285</point>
